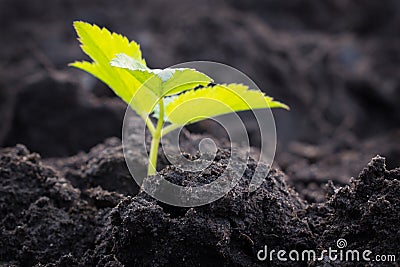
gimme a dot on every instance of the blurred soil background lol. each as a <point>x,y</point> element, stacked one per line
<point>335,63</point>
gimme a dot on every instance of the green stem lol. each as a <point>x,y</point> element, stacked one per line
<point>155,142</point>
<point>149,125</point>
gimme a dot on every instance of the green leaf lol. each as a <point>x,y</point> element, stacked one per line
<point>126,62</point>
<point>119,63</point>
<point>102,46</point>
<point>147,77</point>
<point>196,105</point>
<point>172,81</point>
<point>184,79</point>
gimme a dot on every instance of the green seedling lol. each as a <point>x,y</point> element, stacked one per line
<point>161,93</point>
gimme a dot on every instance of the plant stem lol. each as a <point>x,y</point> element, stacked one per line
<point>149,125</point>
<point>155,142</point>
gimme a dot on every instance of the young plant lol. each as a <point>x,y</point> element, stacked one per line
<point>118,62</point>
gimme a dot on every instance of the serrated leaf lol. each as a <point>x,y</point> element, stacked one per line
<point>196,105</point>
<point>124,61</point>
<point>147,77</point>
<point>114,79</point>
<point>173,81</point>
<point>102,46</point>
<point>184,79</point>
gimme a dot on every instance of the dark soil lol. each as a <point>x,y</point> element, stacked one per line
<point>72,202</point>
<point>46,220</point>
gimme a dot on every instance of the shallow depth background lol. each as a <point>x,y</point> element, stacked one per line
<point>335,63</point>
